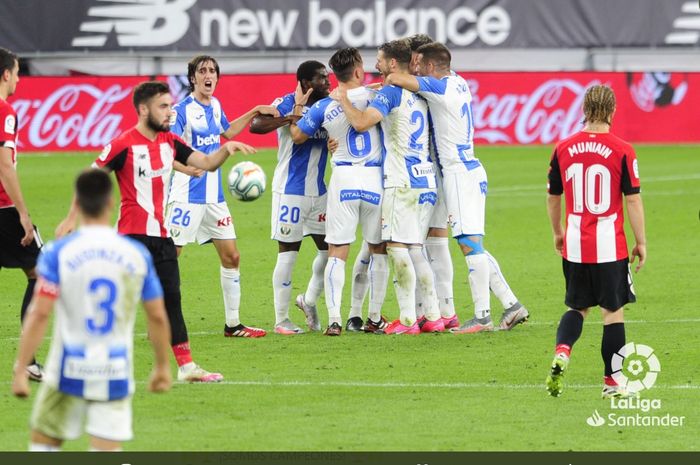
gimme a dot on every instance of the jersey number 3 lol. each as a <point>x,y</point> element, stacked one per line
<point>104,293</point>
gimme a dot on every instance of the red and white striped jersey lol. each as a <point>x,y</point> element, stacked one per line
<point>8,138</point>
<point>593,170</point>
<point>143,170</point>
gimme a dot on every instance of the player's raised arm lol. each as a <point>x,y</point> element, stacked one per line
<point>407,81</point>
<point>186,155</point>
<point>263,124</point>
<point>237,125</point>
<point>360,120</point>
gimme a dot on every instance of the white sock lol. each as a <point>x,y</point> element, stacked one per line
<point>282,284</point>
<point>334,280</point>
<point>479,282</point>
<point>425,285</point>
<point>404,283</point>
<point>37,447</point>
<point>498,284</point>
<point>438,251</point>
<point>315,287</point>
<point>378,278</point>
<point>231,288</point>
<point>360,281</point>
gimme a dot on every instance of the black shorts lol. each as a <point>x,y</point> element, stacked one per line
<point>164,259</point>
<point>12,253</point>
<point>608,285</point>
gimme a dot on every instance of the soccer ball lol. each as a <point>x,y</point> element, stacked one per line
<point>246,181</point>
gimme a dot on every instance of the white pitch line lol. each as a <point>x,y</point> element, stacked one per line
<point>529,323</point>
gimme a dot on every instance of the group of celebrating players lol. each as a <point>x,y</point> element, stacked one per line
<point>403,169</point>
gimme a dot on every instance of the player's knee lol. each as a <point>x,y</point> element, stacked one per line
<point>471,245</point>
<point>231,259</point>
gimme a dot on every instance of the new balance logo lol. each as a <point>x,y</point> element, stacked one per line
<point>137,23</point>
<point>687,26</point>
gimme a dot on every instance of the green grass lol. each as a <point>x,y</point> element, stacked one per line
<point>432,392</point>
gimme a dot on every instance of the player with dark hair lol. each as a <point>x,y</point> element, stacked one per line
<point>595,170</point>
<point>142,159</point>
<point>197,210</point>
<point>355,189</point>
<point>464,181</point>
<point>95,279</point>
<point>19,239</point>
<point>415,42</point>
<point>298,198</point>
<point>409,186</point>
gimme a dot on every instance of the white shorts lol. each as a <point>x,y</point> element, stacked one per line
<point>465,199</point>
<point>354,197</point>
<point>439,216</point>
<point>296,216</point>
<point>62,416</point>
<point>406,213</point>
<point>201,222</point>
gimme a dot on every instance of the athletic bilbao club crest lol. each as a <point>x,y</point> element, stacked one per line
<point>656,90</point>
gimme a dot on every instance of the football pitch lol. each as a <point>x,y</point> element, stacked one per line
<point>444,392</point>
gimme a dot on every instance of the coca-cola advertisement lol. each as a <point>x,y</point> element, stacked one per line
<point>85,113</point>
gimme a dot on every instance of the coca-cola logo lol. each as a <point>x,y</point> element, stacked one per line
<point>549,113</point>
<point>72,115</point>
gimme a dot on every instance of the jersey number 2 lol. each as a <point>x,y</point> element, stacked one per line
<point>591,187</point>
<point>104,293</point>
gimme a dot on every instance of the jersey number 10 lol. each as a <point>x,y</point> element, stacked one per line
<point>593,187</point>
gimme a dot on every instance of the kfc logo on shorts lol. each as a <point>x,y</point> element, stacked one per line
<point>321,217</point>
<point>223,222</point>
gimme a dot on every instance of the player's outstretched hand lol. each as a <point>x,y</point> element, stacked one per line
<point>300,98</point>
<point>641,252</point>
<point>234,146</point>
<point>20,385</point>
<point>64,227</point>
<point>268,110</point>
<point>161,380</point>
<point>28,230</point>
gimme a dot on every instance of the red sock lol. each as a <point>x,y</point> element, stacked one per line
<point>609,381</point>
<point>183,354</point>
<point>563,349</point>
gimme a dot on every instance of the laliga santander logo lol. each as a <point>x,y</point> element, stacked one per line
<point>549,113</point>
<point>635,367</point>
<point>74,114</point>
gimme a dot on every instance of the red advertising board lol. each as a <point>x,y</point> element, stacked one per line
<point>85,113</point>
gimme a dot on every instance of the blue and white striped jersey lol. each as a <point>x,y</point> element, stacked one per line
<point>201,127</point>
<point>405,127</point>
<point>450,104</point>
<point>98,278</point>
<point>300,168</point>
<point>354,148</point>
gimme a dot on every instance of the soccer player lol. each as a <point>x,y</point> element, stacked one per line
<point>94,278</point>
<point>464,178</point>
<point>593,169</point>
<point>19,238</point>
<point>298,198</point>
<point>409,186</point>
<point>142,159</point>
<point>355,188</point>
<point>197,210</point>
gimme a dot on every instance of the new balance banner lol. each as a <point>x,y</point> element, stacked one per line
<point>85,113</point>
<point>29,26</point>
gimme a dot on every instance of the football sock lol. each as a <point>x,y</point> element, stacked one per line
<point>613,341</point>
<point>37,447</point>
<point>498,284</point>
<point>568,332</point>
<point>183,354</point>
<point>479,283</point>
<point>282,284</point>
<point>334,280</point>
<point>231,288</point>
<point>425,285</point>
<point>438,251</point>
<point>378,278</point>
<point>360,282</point>
<point>28,293</point>
<point>404,283</point>
<point>315,287</point>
